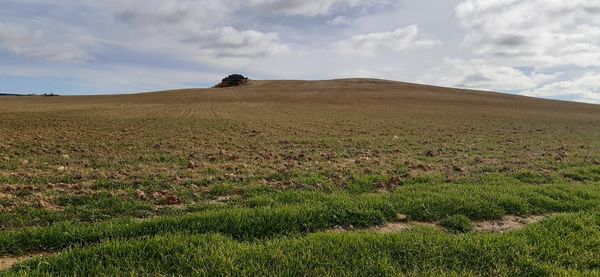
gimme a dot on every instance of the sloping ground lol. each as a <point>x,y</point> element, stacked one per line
<point>271,166</point>
<point>340,92</point>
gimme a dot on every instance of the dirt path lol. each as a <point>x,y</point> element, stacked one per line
<point>396,227</point>
<point>507,223</point>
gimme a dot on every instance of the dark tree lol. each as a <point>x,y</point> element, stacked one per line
<point>232,80</point>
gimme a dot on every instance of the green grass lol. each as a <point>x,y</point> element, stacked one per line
<point>82,208</point>
<point>364,183</point>
<point>457,224</point>
<point>304,212</point>
<point>583,174</point>
<point>561,245</point>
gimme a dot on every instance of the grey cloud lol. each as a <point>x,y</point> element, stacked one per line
<point>477,77</point>
<point>592,8</point>
<point>293,6</point>
<point>135,18</point>
<point>512,40</point>
<point>309,7</point>
<point>536,33</point>
<point>510,53</point>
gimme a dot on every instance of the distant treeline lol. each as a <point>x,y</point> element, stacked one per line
<point>31,94</point>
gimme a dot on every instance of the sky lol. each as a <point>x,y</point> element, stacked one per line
<point>540,48</point>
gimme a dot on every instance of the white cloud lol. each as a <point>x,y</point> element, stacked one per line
<point>231,43</point>
<point>477,74</point>
<point>194,28</point>
<point>41,45</point>
<point>385,72</point>
<point>538,33</point>
<point>372,44</point>
<point>584,89</point>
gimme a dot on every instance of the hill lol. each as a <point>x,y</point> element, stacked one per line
<point>10,94</point>
<point>344,92</point>
<point>337,177</point>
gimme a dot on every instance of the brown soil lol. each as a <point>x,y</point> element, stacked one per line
<point>8,262</point>
<point>507,223</point>
<point>396,227</point>
<point>280,128</point>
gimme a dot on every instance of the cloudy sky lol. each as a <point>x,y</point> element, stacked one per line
<point>542,48</point>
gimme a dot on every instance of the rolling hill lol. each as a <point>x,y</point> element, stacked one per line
<point>336,177</point>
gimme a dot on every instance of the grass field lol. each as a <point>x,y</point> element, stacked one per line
<point>299,178</point>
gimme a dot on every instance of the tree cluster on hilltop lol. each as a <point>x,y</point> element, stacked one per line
<point>232,80</point>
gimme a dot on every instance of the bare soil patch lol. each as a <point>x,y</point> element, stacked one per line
<point>8,262</point>
<point>396,227</point>
<point>507,223</point>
